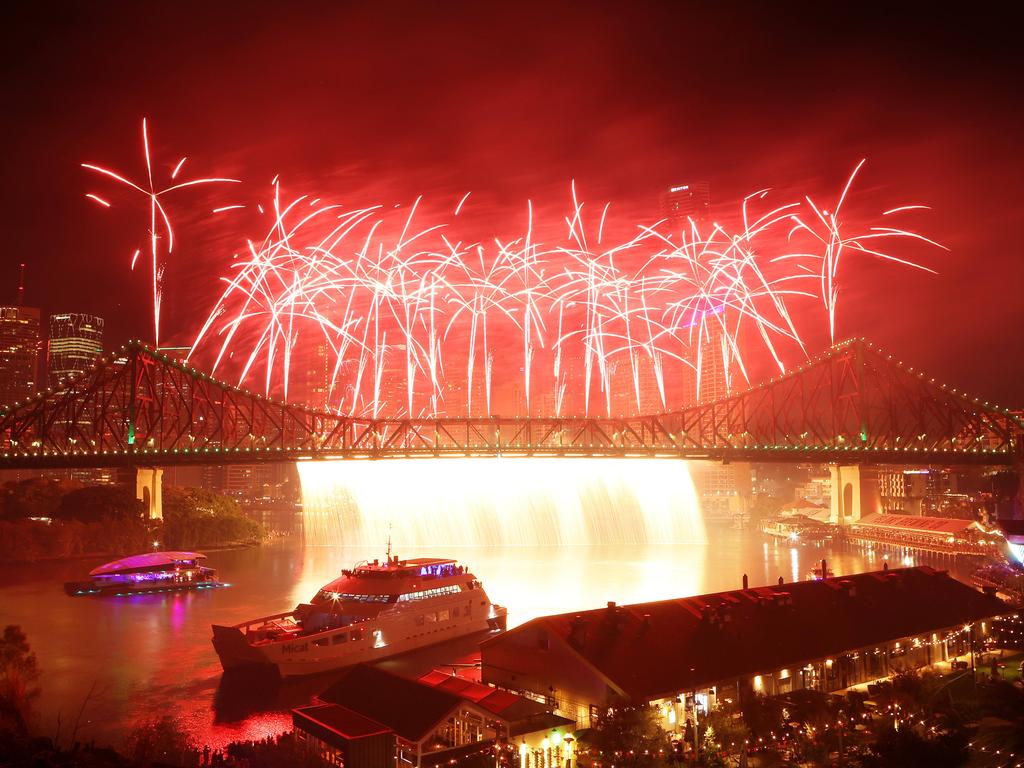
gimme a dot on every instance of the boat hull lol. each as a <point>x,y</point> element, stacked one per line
<point>301,656</point>
<point>83,588</point>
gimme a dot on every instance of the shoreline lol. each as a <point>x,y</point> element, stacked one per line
<point>94,555</point>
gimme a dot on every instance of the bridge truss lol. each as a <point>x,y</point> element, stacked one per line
<point>851,404</point>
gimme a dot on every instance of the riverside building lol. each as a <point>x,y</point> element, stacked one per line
<point>825,635</point>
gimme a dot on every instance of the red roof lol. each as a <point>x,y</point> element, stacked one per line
<point>505,705</point>
<point>341,720</point>
<point>649,650</point>
<point>918,524</point>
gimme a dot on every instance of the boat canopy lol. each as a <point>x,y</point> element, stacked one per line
<point>147,560</point>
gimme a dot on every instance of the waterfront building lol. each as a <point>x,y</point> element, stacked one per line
<point>76,340</point>
<point>917,533</point>
<point>370,718</point>
<point>19,353</point>
<point>825,635</point>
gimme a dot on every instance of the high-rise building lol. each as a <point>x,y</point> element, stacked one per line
<point>76,340</point>
<point>19,353</point>
<point>310,375</point>
<point>687,201</point>
<point>712,383</point>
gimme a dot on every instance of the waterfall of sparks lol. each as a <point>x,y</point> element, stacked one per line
<point>499,502</point>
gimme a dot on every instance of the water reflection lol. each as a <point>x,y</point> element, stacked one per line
<point>147,655</point>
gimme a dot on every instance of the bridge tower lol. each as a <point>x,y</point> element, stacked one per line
<point>854,492</point>
<point>149,490</point>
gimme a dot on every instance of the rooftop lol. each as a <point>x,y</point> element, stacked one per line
<point>405,706</point>
<point>917,523</point>
<point>341,720</point>
<point>508,706</point>
<point>650,650</point>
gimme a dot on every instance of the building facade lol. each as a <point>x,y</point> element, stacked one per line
<point>76,341</point>
<point>825,635</point>
<point>19,353</point>
<point>371,718</point>
<point>682,202</point>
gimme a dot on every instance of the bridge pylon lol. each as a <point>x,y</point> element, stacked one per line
<point>854,492</point>
<point>149,490</point>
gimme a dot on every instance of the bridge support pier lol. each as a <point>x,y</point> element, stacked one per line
<point>149,490</point>
<point>854,493</point>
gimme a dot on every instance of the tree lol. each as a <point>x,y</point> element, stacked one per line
<point>98,502</point>
<point>727,728</point>
<point>761,714</point>
<point>18,675</point>
<point>35,497</point>
<point>161,741</point>
<point>628,736</point>
<point>195,517</point>
<point>1002,723</point>
<point>908,747</point>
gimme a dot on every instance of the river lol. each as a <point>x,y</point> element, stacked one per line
<point>108,663</point>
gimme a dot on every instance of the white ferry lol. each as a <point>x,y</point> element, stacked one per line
<point>370,612</point>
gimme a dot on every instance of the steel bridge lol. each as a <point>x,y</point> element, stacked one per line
<point>850,405</point>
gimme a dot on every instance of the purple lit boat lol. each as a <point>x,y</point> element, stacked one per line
<point>147,574</point>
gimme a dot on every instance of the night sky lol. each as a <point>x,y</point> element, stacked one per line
<point>383,101</point>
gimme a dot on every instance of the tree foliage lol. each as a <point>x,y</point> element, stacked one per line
<point>34,497</point>
<point>160,742</point>
<point>28,540</point>
<point>97,502</point>
<point>19,673</point>
<point>628,736</point>
<point>195,517</point>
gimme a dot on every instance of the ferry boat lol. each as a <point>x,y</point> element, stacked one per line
<point>797,529</point>
<point>147,574</point>
<point>372,611</point>
<point>819,572</point>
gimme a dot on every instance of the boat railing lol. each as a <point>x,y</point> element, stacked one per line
<point>246,625</point>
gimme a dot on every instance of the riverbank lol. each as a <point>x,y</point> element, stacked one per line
<point>24,542</point>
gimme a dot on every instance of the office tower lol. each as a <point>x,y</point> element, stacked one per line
<point>76,340</point>
<point>19,353</point>
<point>311,369</point>
<point>687,201</point>
<point>713,383</point>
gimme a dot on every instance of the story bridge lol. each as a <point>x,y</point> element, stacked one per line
<point>850,406</point>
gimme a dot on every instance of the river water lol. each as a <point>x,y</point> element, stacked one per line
<point>110,662</point>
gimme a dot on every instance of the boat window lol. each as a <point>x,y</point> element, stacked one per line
<point>329,596</point>
<point>455,611</point>
<point>357,634</point>
<point>321,642</point>
<point>341,637</point>
<point>442,569</point>
<point>426,594</point>
<point>442,615</point>
<point>430,617</point>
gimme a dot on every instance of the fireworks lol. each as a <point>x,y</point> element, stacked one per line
<point>158,218</point>
<point>413,319</point>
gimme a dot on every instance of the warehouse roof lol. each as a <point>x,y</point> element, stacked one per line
<point>650,650</point>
